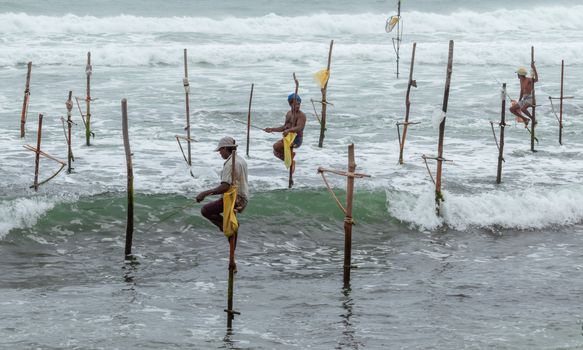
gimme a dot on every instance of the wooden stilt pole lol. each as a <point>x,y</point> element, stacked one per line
<point>249,120</point>
<point>25,101</point>
<point>294,104</point>
<point>70,157</point>
<point>533,124</point>
<point>561,105</point>
<point>407,106</point>
<point>438,194</point>
<point>324,101</point>
<point>348,218</point>
<point>130,180</point>
<point>187,103</point>
<point>399,36</point>
<point>232,266</point>
<point>501,145</point>
<point>348,221</point>
<point>88,72</point>
<point>38,151</point>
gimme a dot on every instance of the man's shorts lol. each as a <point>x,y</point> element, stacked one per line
<point>298,141</point>
<point>526,100</point>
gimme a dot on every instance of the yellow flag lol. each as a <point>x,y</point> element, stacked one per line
<point>391,23</point>
<point>322,77</point>
<point>288,140</point>
<point>230,223</point>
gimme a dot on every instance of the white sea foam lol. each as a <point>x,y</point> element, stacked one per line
<point>126,40</point>
<point>23,212</point>
<point>540,19</point>
<point>519,209</point>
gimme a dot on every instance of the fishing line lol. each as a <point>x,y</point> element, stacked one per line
<point>169,215</point>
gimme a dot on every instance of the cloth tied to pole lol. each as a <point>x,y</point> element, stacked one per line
<point>391,23</point>
<point>88,69</point>
<point>186,85</point>
<point>288,141</point>
<point>230,223</point>
<point>322,77</point>
<point>438,117</point>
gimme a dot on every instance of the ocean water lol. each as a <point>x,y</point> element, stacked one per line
<point>499,269</point>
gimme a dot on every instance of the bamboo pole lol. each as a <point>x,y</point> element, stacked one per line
<point>324,101</point>
<point>561,105</point>
<point>88,71</point>
<point>533,124</point>
<point>501,145</point>
<point>294,103</point>
<point>25,101</point>
<point>232,245</point>
<point>348,218</point>
<point>130,179</point>
<point>69,105</point>
<point>399,36</point>
<point>249,120</point>
<point>407,106</point>
<point>38,151</point>
<point>438,194</point>
<point>187,103</point>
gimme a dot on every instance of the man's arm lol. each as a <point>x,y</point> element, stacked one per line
<point>535,77</point>
<point>280,128</point>
<point>220,189</point>
<point>277,129</point>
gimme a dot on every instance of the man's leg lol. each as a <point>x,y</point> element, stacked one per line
<point>212,211</point>
<point>515,109</point>
<point>524,110</point>
<point>278,149</point>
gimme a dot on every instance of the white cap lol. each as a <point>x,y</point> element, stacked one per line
<point>226,142</point>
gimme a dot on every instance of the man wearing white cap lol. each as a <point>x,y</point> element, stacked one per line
<point>520,108</point>
<point>213,210</point>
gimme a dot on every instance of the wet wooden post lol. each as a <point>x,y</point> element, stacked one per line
<point>561,105</point>
<point>37,153</point>
<point>88,72</point>
<point>324,101</point>
<point>130,180</point>
<point>186,84</point>
<point>232,266</point>
<point>249,120</point>
<point>348,221</point>
<point>501,145</point>
<point>399,36</point>
<point>534,121</point>
<point>70,157</point>
<point>407,107</point>
<point>25,101</point>
<point>294,103</point>
<point>438,194</point>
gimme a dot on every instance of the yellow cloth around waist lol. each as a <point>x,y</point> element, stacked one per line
<point>230,223</point>
<point>288,141</point>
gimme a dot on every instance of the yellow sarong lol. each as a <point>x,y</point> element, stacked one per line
<point>322,77</point>
<point>230,223</point>
<point>288,141</point>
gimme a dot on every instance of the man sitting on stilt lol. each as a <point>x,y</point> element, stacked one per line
<point>295,121</point>
<point>520,108</point>
<point>213,210</point>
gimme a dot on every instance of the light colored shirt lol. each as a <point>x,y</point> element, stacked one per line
<point>240,175</point>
